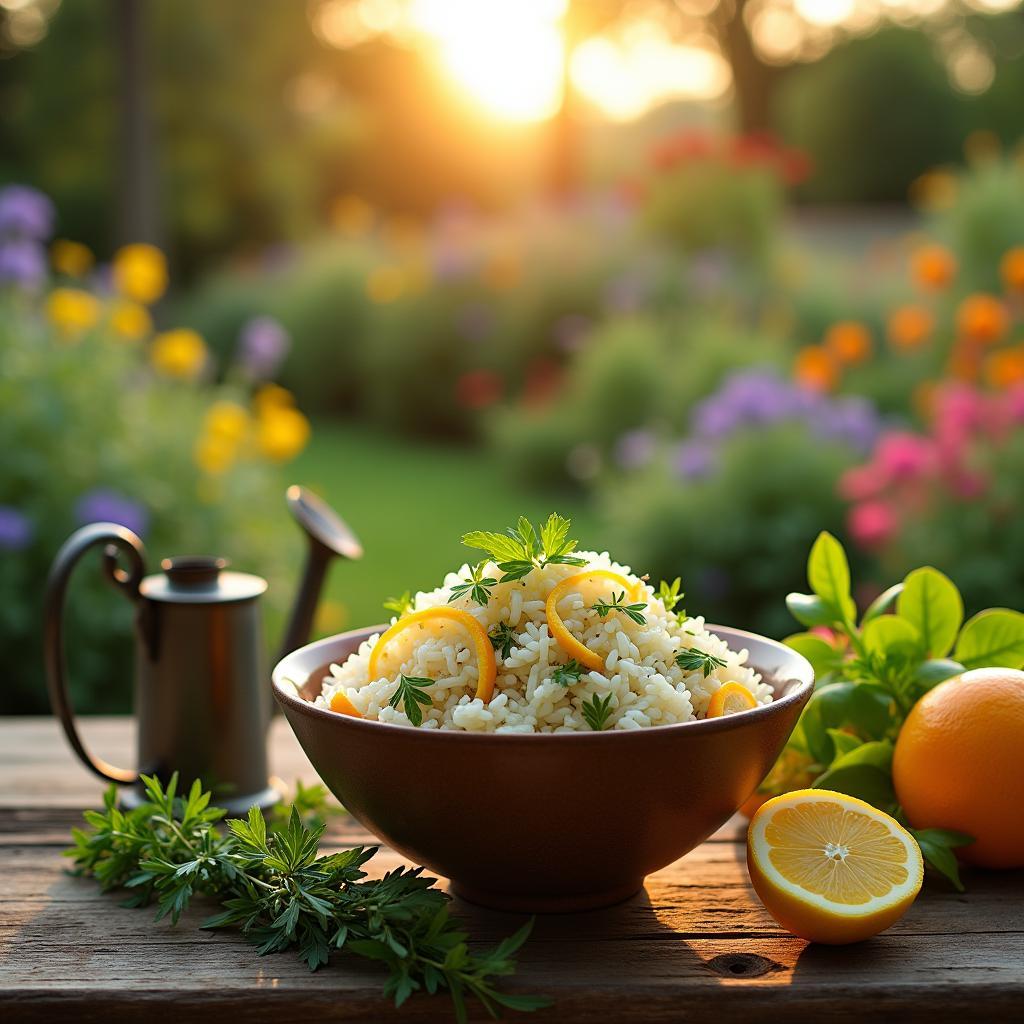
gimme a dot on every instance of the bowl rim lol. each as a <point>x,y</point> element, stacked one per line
<point>797,695</point>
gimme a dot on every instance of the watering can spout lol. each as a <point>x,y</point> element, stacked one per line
<point>328,537</point>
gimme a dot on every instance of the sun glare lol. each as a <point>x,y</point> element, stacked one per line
<point>506,54</point>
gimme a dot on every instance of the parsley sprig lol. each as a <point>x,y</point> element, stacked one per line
<point>569,673</point>
<point>596,711</point>
<point>521,549</point>
<point>478,586</point>
<point>277,888</point>
<point>697,661</point>
<point>503,638</point>
<point>618,604</point>
<point>670,595</point>
<point>401,605</point>
<point>410,695</point>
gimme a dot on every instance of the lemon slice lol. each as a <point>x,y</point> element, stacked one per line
<point>730,698</point>
<point>487,668</point>
<point>831,868</point>
<point>558,629</point>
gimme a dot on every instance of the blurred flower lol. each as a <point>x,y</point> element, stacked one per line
<point>982,318</point>
<point>477,389</point>
<point>815,368</point>
<point>901,455</point>
<point>352,216</point>
<point>214,453</point>
<point>691,144</point>
<point>263,344</point>
<point>871,523</point>
<point>933,267</point>
<point>72,311</point>
<point>1011,269</point>
<point>16,530</point>
<point>693,459</point>
<point>272,396</point>
<point>848,342</point>
<point>964,363</point>
<point>179,353</point>
<point>934,190</point>
<point>130,321</point>
<point>70,258</point>
<point>22,263</point>
<point>227,420</point>
<point>852,420</point>
<point>385,284</point>
<point>1005,367</point>
<point>910,326</point>
<point>140,272</point>
<point>104,505</point>
<point>281,432</point>
<point>25,213</point>
<point>861,482</point>
<point>543,380</point>
<point>635,449</point>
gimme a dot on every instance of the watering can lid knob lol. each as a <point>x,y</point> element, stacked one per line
<point>200,579</point>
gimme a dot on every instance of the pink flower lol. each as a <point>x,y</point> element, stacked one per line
<point>872,523</point>
<point>862,482</point>
<point>900,455</point>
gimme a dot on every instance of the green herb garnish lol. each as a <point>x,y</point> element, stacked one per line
<point>618,604</point>
<point>697,661</point>
<point>503,638</point>
<point>521,549</point>
<point>281,894</point>
<point>569,673</point>
<point>670,595</point>
<point>410,695</point>
<point>401,605</point>
<point>597,710</point>
<point>478,586</point>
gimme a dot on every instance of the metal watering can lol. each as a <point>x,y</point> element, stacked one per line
<point>202,693</point>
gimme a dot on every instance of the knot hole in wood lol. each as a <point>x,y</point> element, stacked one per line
<point>742,965</point>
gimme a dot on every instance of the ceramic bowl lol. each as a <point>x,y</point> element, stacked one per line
<point>543,822</point>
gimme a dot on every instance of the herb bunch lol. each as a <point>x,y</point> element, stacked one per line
<point>277,888</point>
<point>618,604</point>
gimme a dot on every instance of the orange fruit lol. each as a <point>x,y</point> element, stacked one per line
<point>959,764</point>
<point>831,868</point>
<point>730,698</point>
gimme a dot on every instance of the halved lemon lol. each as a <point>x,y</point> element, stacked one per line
<point>832,868</point>
<point>343,706</point>
<point>487,668</point>
<point>583,654</point>
<point>730,698</point>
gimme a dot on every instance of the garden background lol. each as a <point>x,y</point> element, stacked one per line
<point>708,276</point>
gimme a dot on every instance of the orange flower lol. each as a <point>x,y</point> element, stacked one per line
<point>848,342</point>
<point>982,318</point>
<point>1012,269</point>
<point>933,267</point>
<point>1005,368</point>
<point>964,363</point>
<point>910,326</point>
<point>815,368</point>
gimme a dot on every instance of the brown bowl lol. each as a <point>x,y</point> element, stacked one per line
<point>544,822</point>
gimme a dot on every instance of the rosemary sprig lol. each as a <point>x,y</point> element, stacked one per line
<point>521,549</point>
<point>503,638</point>
<point>670,595</point>
<point>410,695</point>
<point>401,605</point>
<point>569,673</point>
<point>478,586</point>
<point>281,893</point>
<point>697,661</point>
<point>596,711</point>
<point>618,604</point>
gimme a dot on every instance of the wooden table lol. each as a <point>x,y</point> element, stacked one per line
<point>697,946</point>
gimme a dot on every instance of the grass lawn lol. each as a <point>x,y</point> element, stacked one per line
<point>409,505</point>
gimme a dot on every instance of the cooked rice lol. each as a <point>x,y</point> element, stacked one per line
<point>640,671</point>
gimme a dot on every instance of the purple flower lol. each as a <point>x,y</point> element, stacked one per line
<point>635,449</point>
<point>714,417</point>
<point>694,459</point>
<point>263,343</point>
<point>16,529</point>
<point>25,213</point>
<point>109,506</point>
<point>852,421</point>
<point>22,263</point>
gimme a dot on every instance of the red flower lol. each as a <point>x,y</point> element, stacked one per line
<point>477,389</point>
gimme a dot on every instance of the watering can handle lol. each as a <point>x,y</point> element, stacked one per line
<point>115,538</point>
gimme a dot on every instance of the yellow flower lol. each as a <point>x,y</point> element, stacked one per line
<point>282,432</point>
<point>385,284</point>
<point>214,454</point>
<point>180,353</point>
<point>130,321</point>
<point>72,311</point>
<point>272,396</point>
<point>140,272</point>
<point>227,420</point>
<point>71,258</point>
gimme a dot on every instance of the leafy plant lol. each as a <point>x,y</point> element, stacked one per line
<point>401,605</point>
<point>277,888</point>
<point>569,673</point>
<point>670,595</point>
<point>618,604</point>
<point>477,586</point>
<point>870,675</point>
<point>698,661</point>
<point>522,549</point>
<point>410,695</point>
<point>596,711</point>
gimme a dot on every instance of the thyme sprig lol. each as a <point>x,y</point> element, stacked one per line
<point>410,695</point>
<point>618,604</point>
<point>477,586</point>
<point>277,888</point>
<point>522,548</point>
<point>698,661</point>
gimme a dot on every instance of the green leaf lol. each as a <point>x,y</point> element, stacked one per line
<point>554,534</point>
<point>809,610</point>
<point>992,638</point>
<point>931,601</point>
<point>890,633</point>
<point>863,707</point>
<point>877,753</point>
<point>843,742</point>
<point>937,670</point>
<point>824,658</point>
<point>864,781</point>
<point>882,603</point>
<point>828,574</point>
<point>497,545</point>
<point>937,849</point>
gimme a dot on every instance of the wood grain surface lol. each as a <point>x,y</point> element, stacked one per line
<point>696,946</point>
